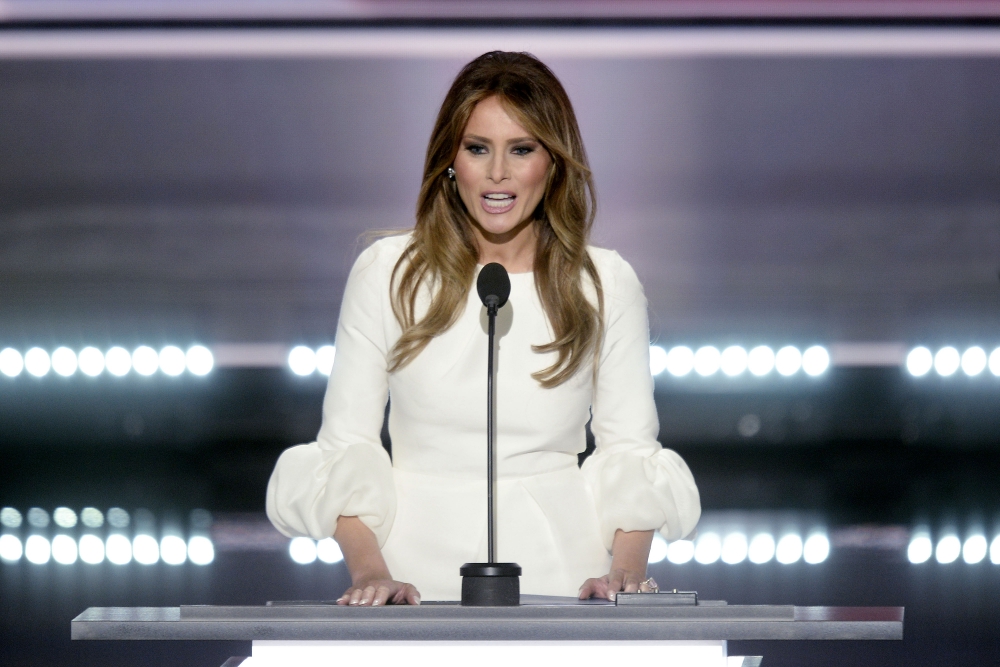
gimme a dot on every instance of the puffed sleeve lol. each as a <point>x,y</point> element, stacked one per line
<point>637,484</point>
<point>346,472</point>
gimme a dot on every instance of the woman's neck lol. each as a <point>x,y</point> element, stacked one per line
<point>514,250</point>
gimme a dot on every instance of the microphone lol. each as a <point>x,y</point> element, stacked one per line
<point>491,584</point>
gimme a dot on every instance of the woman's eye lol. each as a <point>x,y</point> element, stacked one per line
<point>476,149</point>
<point>523,150</point>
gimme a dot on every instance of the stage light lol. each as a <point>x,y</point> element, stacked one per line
<point>947,361</point>
<point>324,359</point>
<point>816,549</point>
<point>974,361</point>
<point>64,517</point>
<point>302,550</point>
<point>995,550</point>
<point>200,550</point>
<point>328,551</point>
<point>788,360</point>
<point>948,549</point>
<point>658,549</point>
<point>145,550</point>
<point>761,549</point>
<point>172,361</point>
<point>37,362</point>
<point>680,552</point>
<point>118,518</point>
<point>707,548</point>
<point>734,548</point>
<point>707,360</point>
<point>10,548</point>
<point>760,360</point>
<point>12,363</point>
<point>920,549</point>
<point>302,360</point>
<point>91,549</point>
<point>974,550</point>
<point>37,550</point>
<point>118,361</point>
<point>10,518</point>
<point>680,361</point>
<point>995,362</point>
<point>64,361</point>
<point>38,517</point>
<point>91,361</point>
<point>733,361</point>
<point>815,360</point>
<point>145,361</point>
<point>199,360</point>
<point>64,549</point>
<point>91,517</point>
<point>118,549</point>
<point>657,360</point>
<point>789,549</point>
<point>173,550</point>
<point>919,361</point>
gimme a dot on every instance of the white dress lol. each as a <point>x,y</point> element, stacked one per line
<point>427,505</point>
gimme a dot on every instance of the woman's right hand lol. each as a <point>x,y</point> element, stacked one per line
<point>377,592</point>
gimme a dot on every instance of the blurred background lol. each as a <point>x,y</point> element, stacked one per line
<point>808,191</point>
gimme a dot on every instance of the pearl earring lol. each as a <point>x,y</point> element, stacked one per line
<point>451,173</point>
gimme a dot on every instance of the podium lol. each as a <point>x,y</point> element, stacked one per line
<point>541,632</point>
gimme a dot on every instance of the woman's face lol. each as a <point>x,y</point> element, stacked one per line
<point>500,171</point>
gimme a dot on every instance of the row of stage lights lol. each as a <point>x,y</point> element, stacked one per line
<point>735,360</point>
<point>949,548</point>
<point>948,360</point>
<point>736,547</point>
<point>144,360</point>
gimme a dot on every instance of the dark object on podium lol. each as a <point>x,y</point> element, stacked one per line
<point>659,599</point>
<point>491,584</point>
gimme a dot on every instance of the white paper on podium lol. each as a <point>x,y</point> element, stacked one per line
<point>489,654</point>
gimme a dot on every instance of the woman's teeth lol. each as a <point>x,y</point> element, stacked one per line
<point>498,201</point>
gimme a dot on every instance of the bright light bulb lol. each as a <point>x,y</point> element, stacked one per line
<point>37,362</point>
<point>324,359</point>
<point>64,517</point>
<point>145,361</point>
<point>761,549</point>
<point>708,548</point>
<point>995,362</point>
<point>946,361</point>
<point>680,361</point>
<point>10,518</point>
<point>920,549</point>
<point>948,549</point>
<point>788,360</point>
<point>328,551</point>
<point>760,360</point>
<point>658,549</point>
<point>657,360</point>
<point>91,549</point>
<point>734,360</point>
<point>680,552</point>
<point>919,361</point>
<point>64,361</point>
<point>12,363</point>
<point>145,549</point>
<point>199,360</point>
<point>119,361</point>
<point>302,550</point>
<point>974,361</point>
<point>815,360</point>
<point>734,548</point>
<point>118,549</point>
<point>173,550</point>
<point>816,549</point>
<point>302,360</point>
<point>995,550</point>
<point>91,517</point>
<point>200,550</point>
<point>788,549</point>
<point>91,361</point>
<point>64,550</point>
<point>172,360</point>
<point>10,548</point>
<point>974,550</point>
<point>37,550</point>
<point>707,360</point>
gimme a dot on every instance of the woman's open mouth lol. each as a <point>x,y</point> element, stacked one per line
<point>498,202</point>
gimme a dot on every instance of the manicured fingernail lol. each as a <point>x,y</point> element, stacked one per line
<point>375,603</point>
<point>417,598</point>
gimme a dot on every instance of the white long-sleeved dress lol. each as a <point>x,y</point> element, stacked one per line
<point>427,505</point>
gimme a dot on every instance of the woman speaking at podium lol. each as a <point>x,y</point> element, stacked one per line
<point>505,180</point>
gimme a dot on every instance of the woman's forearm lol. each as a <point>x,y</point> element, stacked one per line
<point>630,551</point>
<point>361,552</point>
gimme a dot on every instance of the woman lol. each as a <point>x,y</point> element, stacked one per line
<point>505,180</point>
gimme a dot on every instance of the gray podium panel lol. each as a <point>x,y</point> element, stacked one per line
<point>456,623</point>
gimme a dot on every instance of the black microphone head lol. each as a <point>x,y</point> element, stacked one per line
<point>493,285</point>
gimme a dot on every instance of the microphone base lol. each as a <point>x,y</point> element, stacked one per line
<point>491,585</point>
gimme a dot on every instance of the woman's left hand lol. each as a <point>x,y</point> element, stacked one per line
<point>630,554</point>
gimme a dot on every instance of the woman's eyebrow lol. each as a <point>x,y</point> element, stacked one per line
<point>484,140</point>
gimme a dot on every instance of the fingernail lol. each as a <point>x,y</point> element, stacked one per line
<point>375,603</point>
<point>417,598</point>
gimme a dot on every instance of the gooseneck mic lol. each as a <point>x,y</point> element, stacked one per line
<point>491,583</point>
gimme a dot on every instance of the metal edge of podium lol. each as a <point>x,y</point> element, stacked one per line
<point>748,661</point>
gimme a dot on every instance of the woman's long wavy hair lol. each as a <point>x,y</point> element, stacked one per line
<point>442,254</point>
